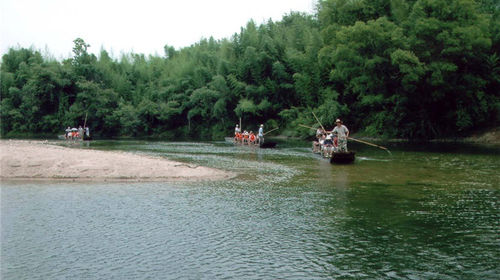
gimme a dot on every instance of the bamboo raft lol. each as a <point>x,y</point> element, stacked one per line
<point>343,157</point>
<point>85,138</point>
<point>265,145</point>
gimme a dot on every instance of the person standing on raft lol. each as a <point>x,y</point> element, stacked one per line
<point>261,134</point>
<point>342,134</point>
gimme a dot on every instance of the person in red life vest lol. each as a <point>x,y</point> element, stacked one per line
<point>236,131</point>
<point>245,137</point>
<point>252,138</point>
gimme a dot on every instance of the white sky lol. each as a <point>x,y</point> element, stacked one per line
<point>144,26</point>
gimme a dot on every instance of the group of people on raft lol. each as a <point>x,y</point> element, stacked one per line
<point>249,138</point>
<point>74,133</point>
<point>329,142</point>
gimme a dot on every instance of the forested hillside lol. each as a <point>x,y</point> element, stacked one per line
<point>391,68</point>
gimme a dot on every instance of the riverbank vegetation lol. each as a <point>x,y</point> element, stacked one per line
<point>389,68</point>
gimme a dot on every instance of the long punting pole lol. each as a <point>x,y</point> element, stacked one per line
<point>271,130</point>
<point>306,126</point>
<point>85,122</point>
<point>371,144</point>
<point>318,121</point>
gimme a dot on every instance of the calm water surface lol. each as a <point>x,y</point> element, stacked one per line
<point>426,212</point>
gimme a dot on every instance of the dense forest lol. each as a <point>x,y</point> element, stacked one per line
<point>389,68</point>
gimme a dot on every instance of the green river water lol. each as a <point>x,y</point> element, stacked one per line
<point>428,211</point>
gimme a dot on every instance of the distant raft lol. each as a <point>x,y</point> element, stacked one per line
<point>265,145</point>
<point>342,157</point>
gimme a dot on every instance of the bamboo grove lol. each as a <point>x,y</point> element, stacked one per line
<point>389,68</point>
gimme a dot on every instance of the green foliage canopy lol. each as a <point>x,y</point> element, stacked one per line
<point>395,68</point>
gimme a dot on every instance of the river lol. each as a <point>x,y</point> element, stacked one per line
<point>429,211</point>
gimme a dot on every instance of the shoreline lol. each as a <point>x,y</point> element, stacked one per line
<point>29,160</point>
<point>490,137</point>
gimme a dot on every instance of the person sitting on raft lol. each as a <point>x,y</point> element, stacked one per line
<point>328,146</point>
<point>68,133</point>
<point>252,138</point>
<point>239,137</point>
<point>245,137</point>
<point>321,141</point>
<point>316,144</point>
<point>319,132</point>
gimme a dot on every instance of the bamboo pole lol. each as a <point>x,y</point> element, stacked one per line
<point>307,126</point>
<point>85,122</point>
<point>318,121</point>
<point>270,130</point>
<point>371,144</point>
<point>327,131</point>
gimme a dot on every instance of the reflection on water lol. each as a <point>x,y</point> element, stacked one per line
<point>288,215</point>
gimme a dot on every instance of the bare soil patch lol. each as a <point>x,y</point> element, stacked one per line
<point>41,160</point>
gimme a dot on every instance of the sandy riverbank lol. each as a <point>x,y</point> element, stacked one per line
<point>40,160</point>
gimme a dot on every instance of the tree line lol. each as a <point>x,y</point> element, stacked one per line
<point>389,68</point>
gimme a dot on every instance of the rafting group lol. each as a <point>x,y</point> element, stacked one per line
<point>80,133</point>
<point>329,142</point>
<point>332,144</point>
<point>249,138</point>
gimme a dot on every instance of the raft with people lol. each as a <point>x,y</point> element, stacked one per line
<point>328,148</point>
<point>333,144</point>
<point>81,133</point>
<point>265,145</point>
<point>249,138</point>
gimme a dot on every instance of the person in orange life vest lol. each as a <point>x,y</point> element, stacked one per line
<point>245,137</point>
<point>252,138</point>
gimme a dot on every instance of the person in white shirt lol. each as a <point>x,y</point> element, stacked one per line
<point>342,134</point>
<point>328,145</point>
<point>80,132</point>
<point>261,134</point>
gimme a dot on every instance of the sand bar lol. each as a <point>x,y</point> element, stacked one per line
<point>42,160</point>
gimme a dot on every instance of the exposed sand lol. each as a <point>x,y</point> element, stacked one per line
<point>40,160</point>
